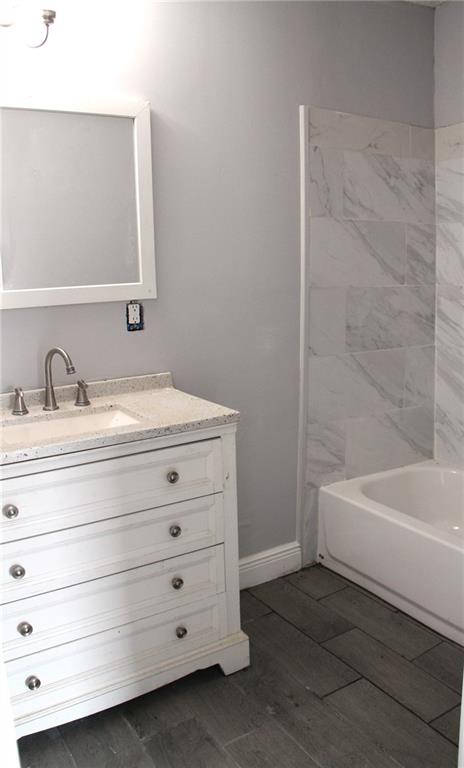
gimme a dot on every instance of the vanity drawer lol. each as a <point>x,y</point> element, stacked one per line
<point>62,498</point>
<point>112,659</point>
<point>61,559</point>
<point>44,621</point>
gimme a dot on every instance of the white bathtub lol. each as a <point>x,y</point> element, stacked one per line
<point>400,534</point>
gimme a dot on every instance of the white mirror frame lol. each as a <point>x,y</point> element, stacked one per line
<point>145,288</point>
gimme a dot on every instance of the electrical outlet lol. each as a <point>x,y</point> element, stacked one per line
<point>134,316</point>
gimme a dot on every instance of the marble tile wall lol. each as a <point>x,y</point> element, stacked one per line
<point>371,273</point>
<point>449,398</point>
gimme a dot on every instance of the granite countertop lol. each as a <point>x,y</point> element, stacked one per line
<point>158,407</point>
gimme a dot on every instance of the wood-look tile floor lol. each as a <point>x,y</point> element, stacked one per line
<point>338,679</point>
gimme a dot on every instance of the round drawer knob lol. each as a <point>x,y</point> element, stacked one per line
<point>17,571</point>
<point>177,582</point>
<point>25,629</point>
<point>33,682</point>
<point>181,632</point>
<point>172,476</point>
<point>10,511</point>
<point>175,531</point>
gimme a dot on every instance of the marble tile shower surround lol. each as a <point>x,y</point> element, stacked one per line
<point>449,386</point>
<point>371,273</point>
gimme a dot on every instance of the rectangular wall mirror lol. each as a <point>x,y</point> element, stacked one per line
<point>76,204</point>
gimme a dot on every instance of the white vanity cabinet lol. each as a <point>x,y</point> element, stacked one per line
<point>119,572</point>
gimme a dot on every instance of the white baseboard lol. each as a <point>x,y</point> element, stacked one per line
<point>269,564</point>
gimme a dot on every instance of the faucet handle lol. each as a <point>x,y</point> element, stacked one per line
<point>19,407</point>
<point>81,395</point>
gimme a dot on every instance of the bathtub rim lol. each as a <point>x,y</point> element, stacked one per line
<point>351,491</point>
<point>341,493</point>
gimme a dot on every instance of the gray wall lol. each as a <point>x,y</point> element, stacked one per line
<point>449,64</point>
<point>225,81</point>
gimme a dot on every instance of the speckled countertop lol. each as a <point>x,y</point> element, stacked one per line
<point>152,401</point>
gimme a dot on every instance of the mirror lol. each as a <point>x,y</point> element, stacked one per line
<point>76,205</point>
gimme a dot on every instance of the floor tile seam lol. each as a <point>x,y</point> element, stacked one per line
<point>221,746</point>
<point>287,733</point>
<point>298,681</point>
<point>225,752</point>
<point>445,713</point>
<point>317,599</point>
<point>439,680</point>
<point>423,654</point>
<point>435,645</point>
<point>259,599</point>
<point>361,728</point>
<point>292,738</point>
<point>228,743</point>
<point>320,645</point>
<point>359,590</point>
<point>387,648</point>
<point>140,739</point>
<point>353,626</point>
<point>399,703</point>
<point>138,743</point>
<point>67,748</point>
<point>324,696</point>
<point>311,637</point>
<point>373,637</point>
<point>390,608</point>
<point>145,739</point>
<point>305,633</point>
<point>444,734</point>
<point>345,719</point>
<point>255,618</point>
<point>371,596</point>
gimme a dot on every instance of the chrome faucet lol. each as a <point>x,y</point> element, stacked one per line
<point>50,400</point>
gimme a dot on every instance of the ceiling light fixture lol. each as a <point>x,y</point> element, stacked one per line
<point>48,18</point>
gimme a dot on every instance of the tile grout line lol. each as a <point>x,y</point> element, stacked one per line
<point>140,740</point>
<point>283,730</point>
<point>67,748</point>
<point>319,696</point>
<point>350,352</point>
<point>341,688</point>
<point>438,680</point>
<point>362,677</point>
<point>446,713</point>
<point>399,703</point>
<point>401,655</point>
<point>317,599</point>
<point>440,642</point>
<point>374,598</point>
<point>444,736</point>
<point>458,706</point>
<point>227,744</point>
<point>386,693</point>
<point>302,631</point>
<point>249,590</point>
<point>428,674</point>
<point>367,680</point>
<point>295,741</point>
<point>360,629</point>
<point>366,731</point>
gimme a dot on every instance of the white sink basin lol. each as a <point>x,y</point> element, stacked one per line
<point>37,431</point>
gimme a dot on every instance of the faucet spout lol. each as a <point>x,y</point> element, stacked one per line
<point>50,399</point>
